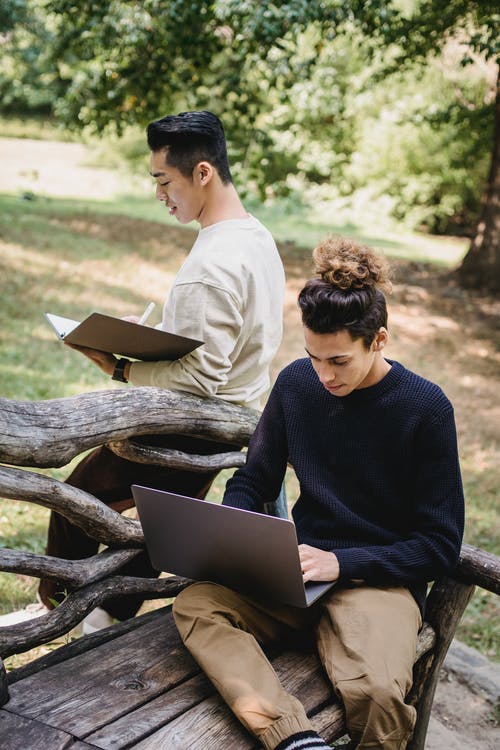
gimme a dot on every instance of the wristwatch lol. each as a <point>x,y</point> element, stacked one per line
<point>118,371</point>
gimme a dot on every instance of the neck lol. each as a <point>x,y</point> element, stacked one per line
<point>222,204</point>
<point>379,370</point>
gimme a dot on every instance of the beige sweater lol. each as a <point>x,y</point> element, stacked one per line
<point>229,294</point>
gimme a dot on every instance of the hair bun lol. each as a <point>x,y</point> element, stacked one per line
<point>348,264</point>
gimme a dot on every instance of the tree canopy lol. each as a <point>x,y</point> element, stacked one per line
<point>392,99</point>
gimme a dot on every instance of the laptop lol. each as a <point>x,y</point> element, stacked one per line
<point>121,337</point>
<point>250,552</point>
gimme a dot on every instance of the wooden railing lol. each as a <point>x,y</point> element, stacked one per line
<point>49,434</point>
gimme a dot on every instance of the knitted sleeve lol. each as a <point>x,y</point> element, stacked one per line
<point>259,481</point>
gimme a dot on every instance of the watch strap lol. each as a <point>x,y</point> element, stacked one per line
<point>118,372</point>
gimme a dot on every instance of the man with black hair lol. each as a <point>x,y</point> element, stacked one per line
<point>228,293</point>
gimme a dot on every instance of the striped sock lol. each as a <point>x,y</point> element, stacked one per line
<point>303,741</point>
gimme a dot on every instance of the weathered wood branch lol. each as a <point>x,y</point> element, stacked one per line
<point>479,568</point>
<point>26,635</point>
<point>4,688</point>
<point>32,434</point>
<point>86,511</point>
<point>426,640</point>
<point>73,572</point>
<point>445,606</point>
<point>148,454</point>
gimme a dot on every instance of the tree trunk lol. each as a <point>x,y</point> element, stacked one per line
<point>480,268</point>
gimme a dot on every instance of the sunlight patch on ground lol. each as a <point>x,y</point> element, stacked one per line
<point>415,323</point>
<point>58,169</point>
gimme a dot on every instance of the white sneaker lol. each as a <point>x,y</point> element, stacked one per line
<point>96,620</point>
<point>21,615</point>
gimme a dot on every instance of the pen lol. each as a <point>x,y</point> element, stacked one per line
<point>147,312</point>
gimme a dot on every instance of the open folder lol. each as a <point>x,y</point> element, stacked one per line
<point>121,337</point>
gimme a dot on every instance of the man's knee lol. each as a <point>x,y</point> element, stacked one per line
<point>375,705</point>
<point>199,600</point>
<point>369,696</point>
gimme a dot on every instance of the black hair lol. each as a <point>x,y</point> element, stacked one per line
<point>191,137</point>
<point>347,295</point>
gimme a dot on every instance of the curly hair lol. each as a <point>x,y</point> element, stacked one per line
<point>348,290</point>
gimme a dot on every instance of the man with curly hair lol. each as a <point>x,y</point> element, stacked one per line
<point>380,512</point>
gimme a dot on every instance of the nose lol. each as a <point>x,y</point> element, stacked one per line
<point>160,193</point>
<point>326,373</point>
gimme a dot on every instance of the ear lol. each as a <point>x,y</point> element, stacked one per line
<point>203,173</point>
<point>380,339</point>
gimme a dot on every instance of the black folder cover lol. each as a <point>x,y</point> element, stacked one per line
<point>122,337</point>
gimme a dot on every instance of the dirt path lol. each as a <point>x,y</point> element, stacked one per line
<point>465,708</point>
<point>57,169</point>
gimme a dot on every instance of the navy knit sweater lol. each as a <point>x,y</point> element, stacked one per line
<point>378,469</point>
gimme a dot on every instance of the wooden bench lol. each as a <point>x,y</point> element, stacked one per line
<point>134,685</point>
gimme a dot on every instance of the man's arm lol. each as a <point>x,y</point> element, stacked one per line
<point>203,312</point>
<point>207,313</point>
<point>259,481</point>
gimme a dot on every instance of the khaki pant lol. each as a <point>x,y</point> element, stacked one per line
<point>366,641</point>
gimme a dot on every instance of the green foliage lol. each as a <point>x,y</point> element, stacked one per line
<point>128,60</point>
<point>423,146</point>
<point>479,626</point>
<point>12,12</point>
<point>29,80</point>
<point>320,100</point>
<point>430,23</point>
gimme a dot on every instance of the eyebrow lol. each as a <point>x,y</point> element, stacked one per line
<point>156,174</point>
<point>335,356</point>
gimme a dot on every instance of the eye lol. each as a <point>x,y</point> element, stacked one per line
<point>164,184</point>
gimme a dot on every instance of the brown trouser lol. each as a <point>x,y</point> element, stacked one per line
<point>108,477</point>
<point>366,639</point>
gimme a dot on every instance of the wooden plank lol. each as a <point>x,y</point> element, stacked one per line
<point>145,720</point>
<point>329,722</point>
<point>300,673</point>
<point>85,643</point>
<point>18,733</point>
<point>83,694</point>
<point>211,718</point>
<point>143,687</point>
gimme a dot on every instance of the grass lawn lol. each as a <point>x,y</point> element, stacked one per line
<point>73,256</point>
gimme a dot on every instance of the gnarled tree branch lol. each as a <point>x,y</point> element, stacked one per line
<point>79,507</point>
<point>26,635</point>
<point>173,459</point>
<point>32,434</point>
<point>73,572</point>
